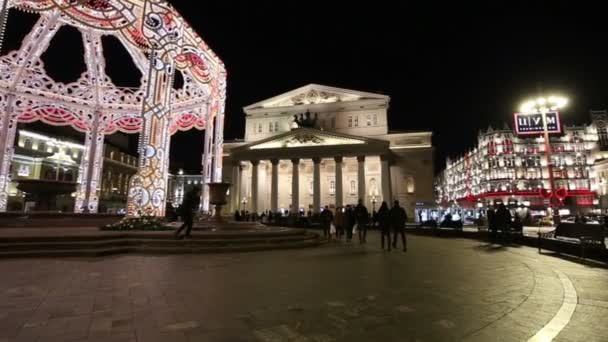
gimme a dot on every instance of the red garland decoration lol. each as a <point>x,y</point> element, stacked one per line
<point>545,193</point>
<point>561,193</point>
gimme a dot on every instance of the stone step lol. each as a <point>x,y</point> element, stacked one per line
<point>166,241</point>
<point>151,235</point>
<point>143,249</point>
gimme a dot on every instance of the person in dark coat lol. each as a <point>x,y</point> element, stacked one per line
<point>188,208</point>
<point>398,219</point>
<point>383,217</point>
<point>492,222</point>
<point>326,218</point>
<point>362,217</point>
<point>349,222</point>
<point>503,218</point>
<point>339,222</point>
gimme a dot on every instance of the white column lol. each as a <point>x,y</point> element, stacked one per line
<point>218,145</point>
<point>90,170</point>
<point>339,196</point>
<point>8,129</point>
<point>316,188</point>
<point>255,193</point>
<point>274,186</point>
<point>295,186</point>
<point>206,160</point>
<point>386,179</point>
<point>235,191</point>
<point>361,178</point>
<point>3,17</point>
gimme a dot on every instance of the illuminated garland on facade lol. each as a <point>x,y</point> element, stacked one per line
<point>159,41</point>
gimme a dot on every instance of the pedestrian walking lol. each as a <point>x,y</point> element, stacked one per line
<point>384,224</point>
<point>349,222</point>
<point>362,217</point>
<point>188,209</point>
<point>503,219</point>
<point>326,218</point>
<point>339,222</point>
<point>398,219</point>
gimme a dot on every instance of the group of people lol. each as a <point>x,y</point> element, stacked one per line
<point>245,215</point>
<point>501,219</point>
<point>346,222</point>
<point>351,220</point>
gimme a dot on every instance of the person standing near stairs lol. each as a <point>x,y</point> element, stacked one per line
<point>188,209</point>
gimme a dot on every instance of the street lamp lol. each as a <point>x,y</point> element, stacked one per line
<point>544,105</point>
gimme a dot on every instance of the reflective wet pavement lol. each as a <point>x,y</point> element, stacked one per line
<point>440,290</point>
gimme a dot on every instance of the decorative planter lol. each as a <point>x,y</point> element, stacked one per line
<point>217,197</point>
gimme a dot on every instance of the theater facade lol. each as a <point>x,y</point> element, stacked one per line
<point>319,146</point>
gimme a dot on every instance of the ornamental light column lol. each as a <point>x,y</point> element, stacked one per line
<point>543,105</point>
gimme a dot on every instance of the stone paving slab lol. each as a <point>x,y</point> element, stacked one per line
<point>440,290</point>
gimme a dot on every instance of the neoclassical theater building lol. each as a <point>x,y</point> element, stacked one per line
<point>318,145</point>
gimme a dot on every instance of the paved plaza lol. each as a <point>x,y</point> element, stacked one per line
<point>440,290</point>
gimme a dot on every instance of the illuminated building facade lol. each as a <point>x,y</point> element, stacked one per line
<point>318,146</point>
<point>510,169</point>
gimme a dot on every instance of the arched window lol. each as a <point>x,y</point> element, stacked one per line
<point>410,185</point>
<point>27,144</point>
<point>373,187</point>
<point>42,146</point>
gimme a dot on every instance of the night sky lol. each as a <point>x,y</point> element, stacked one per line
<point>451,69</point>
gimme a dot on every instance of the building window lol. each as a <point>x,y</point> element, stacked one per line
<point>42,146</point>
<point>270,127</point>
<point>369,119</point>
<point>491,148</point>
<point>332,187</point>
<point>69,176</point>
<point>350,122</point>
<point>27,144</point>
<point>23,171</point>
<point>353,187</point>
<point>276,126</point>
<point>375,120</point>
<point>260,128</point>
<point>508,146</point>
<point>357,121</point>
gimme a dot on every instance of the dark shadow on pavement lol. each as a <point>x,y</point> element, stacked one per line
<point>576,259</point>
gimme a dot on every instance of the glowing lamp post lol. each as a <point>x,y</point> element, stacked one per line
<point>543,106</point>
<point>374,200</point>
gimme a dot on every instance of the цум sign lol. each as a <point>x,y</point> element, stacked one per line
<point>533,123</point>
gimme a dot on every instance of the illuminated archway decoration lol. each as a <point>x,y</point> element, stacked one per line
<point>159,41</point>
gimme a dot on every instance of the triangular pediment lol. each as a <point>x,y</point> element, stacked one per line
<point>315,94</point>
<point>305,137</point>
